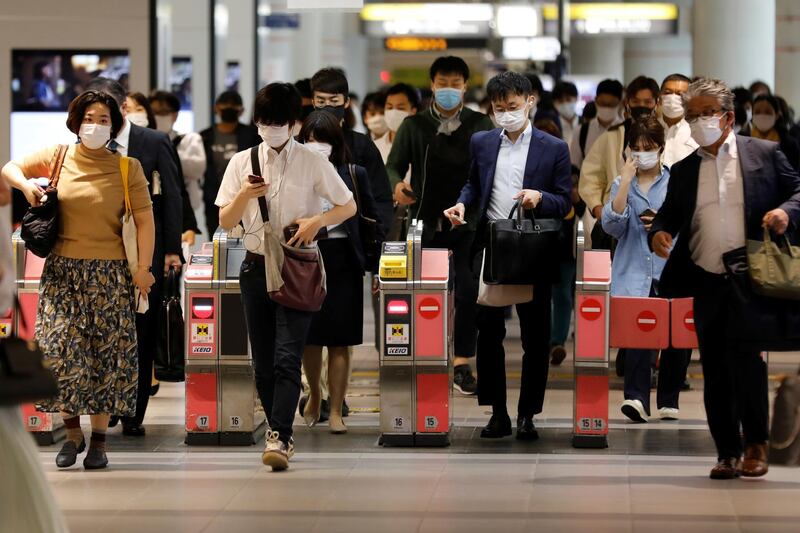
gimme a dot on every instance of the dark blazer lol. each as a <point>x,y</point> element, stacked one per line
<point>365,154</point>
<point>367,207</point>
<point>770,182</point>
<point>246,137</point>
<point>547,170</point>
<point>154,151</point>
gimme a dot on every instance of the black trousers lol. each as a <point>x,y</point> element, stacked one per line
<point>465,290</point>
<point>736,389</point>
<point>148,331</point>
<point>277,338</point>
<point>534,322</point>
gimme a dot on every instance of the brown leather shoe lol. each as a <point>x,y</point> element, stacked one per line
<point>754,463</point>
<point>727,468</point>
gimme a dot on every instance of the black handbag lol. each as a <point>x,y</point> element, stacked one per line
<point>40,223</point>
<point>23,376</point>
<point>368,228</point>
<point>522,251</point>
<point>169,357</point>
<point>784,436</point>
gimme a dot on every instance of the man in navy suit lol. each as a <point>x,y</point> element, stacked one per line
<point>720,196</point>
<point>515,161</point>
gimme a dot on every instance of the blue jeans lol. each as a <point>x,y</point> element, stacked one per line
<point>277,339</point>
<point>563,300</point>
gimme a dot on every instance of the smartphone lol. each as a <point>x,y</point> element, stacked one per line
<point>409,193</point>
<point>647,213</point>
<point>252,178</point>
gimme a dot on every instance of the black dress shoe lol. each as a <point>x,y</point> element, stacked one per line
<point>131,430</point>
<point>154,389</point>
<point>345,409</point>
<point>95,459</point>
<point>69,453</point>
<point>324,411</point>
<point>498,427</point>
<point>525,429</point>
<point>113,421</point>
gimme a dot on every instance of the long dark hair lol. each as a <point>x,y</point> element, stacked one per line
<point>780,113</point>
<point>142,100</point>
<point>322,127</point>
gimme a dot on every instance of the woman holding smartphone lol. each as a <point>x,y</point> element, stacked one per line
<point>636,195</point>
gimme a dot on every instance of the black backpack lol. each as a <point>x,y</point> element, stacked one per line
<point>169,357</point>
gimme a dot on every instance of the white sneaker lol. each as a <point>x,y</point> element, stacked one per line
<point>277,454</point>
<point>668,413</point>
<point>634,410</point>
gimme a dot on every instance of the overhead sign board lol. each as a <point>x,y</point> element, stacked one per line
<point>606,18</point>
<point>438,20</point>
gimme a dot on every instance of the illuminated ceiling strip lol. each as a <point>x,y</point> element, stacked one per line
<point>459,12</point>
<point>627,11</point>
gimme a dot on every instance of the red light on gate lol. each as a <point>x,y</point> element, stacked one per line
<point>203,308</point>
<point>397,307</point>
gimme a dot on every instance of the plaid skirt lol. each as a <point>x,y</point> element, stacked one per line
<point>86,328</point>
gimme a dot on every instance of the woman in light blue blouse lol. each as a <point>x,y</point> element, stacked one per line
<point>636,195</point>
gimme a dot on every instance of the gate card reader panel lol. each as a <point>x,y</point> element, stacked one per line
<point>394,262</point>
<point>396,341</point>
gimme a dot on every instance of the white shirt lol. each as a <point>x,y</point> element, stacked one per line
<point>509,173</point>
<point>192,154</point>
<point>678,142</point>
<point>299,179</point>
<point>384,146</point>
<point>595,130</point>
<point>123,138</point>
<point>718,220</point>
<point>568,127</point>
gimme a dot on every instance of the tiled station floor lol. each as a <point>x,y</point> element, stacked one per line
<point>652,478</point>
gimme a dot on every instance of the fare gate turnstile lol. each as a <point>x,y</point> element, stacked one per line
<point>416,374</point>
<point>221,402</point>
<point>46,428</point>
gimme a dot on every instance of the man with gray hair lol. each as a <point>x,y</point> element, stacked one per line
<point>724,193</point>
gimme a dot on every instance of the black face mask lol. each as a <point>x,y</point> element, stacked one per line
<point>229,114</point>
<point>641,112</point>
<point>336,111</point>
<point>307,110</point>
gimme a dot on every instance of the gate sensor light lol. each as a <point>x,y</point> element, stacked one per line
<point>397,307</point>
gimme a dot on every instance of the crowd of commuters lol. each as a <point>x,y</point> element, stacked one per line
<point>651,169</point>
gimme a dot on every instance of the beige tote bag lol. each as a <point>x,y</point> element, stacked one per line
<point>502,295</point>
<point>129,239</point>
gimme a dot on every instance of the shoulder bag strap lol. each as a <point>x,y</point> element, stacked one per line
<point>352,169</point>
<point>583,136</point>
<point>58,162</point>
<point>256,170</point>
<point>124,167</point>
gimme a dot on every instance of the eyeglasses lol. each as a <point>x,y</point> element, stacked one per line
<point>708,113</point>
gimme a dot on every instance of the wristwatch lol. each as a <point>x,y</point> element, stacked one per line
<point>148,268</point>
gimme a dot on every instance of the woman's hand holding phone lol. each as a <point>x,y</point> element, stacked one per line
<point>254,187</point>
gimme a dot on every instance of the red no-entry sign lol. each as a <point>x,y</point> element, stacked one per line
<point>688,320</point>
<point>646,320</point>
<point>591,309</point>
<point>429,308</point>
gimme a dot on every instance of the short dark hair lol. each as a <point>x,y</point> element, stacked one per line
<point>647,129</point>
<point>780,108</point>
<point>108,86</point>
<point>760,83</point>
<point>447,65</point>
<point>508,83</point>
<point>548,126</point>
<point>403,88</point>
<point>330,80</point>
<point>141,99</point>
<point>536,83</point>
<point>742,96</point>
<point>78,106</point>
<point>642,83</point>
<point>304,87</point>
<point>610,87</point>
<point>563,89</point>
<point>277,104</point>
<point>676,77</point>
<point>231,98</point>
<point>323,127</point>
<point>168,99</point>
<point>376,99</point>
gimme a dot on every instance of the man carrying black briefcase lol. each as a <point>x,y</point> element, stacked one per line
<point>515,163</point>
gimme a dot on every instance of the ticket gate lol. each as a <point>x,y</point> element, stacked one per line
<point>220,387</point>
<point>46,428</point>
<point>416,374</point>
<point>603,322</point>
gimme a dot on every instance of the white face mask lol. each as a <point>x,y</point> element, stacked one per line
<point>94,136</point>
<point>164,123</point>
<point>647,160</point>
<point>672,105</point>
<point>512,121</point>
<point>377,125</point>
<point>567,109</point>
<point>323,149</point>
<point>607,114</point>
<point>395,117</point>
<point>763,122</point>
<point>274,136</point>
<point>706,130</point>
<point>748,114</point>
<point>140,119</point>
